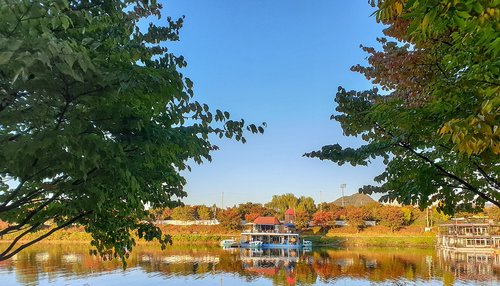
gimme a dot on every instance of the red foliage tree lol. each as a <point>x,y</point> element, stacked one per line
<point>390,216</point>
<point>322,218</point>
<point>251,217</point>
<point>230,219</point>
<point>302,219</point>
<point>356,216</point>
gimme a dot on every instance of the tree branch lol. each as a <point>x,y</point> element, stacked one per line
<point>20,202</point>
<point>440,168</point>
<point>14,242</point>
<point>6,255</point>
<point>30,215</point>
<point>450,175</point>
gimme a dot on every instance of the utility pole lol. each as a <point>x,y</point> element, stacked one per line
<point>222,204</point>
<point>342,187</point>
<point>427,217</point>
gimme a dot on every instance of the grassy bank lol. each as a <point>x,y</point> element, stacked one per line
<point>371,241</point>
<point>78,235</point>
<point>183,235</point>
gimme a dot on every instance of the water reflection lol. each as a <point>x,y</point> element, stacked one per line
<point>71,264</point>
<point>473,265</point>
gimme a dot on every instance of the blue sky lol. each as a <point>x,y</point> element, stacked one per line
<point>278,62</point>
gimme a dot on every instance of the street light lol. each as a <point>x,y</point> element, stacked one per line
<point>342,187</point>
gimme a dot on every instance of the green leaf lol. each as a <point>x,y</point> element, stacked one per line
<point>5,57</point>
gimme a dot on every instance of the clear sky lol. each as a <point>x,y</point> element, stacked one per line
<point>278,62</point>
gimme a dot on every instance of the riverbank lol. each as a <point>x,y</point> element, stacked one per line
<point>347,240</point>
<point>207,235</point>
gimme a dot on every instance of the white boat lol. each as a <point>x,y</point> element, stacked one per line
<point>228,243</point>
<point>255,244</point>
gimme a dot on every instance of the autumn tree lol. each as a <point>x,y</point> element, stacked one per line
<point>306,204</point>
<point>253,210</point>
<point>463,37</point>
<point>437,216</point>
<point>356,216</point>
<point>390,216</point>
<point>493,212</point>
<point>329,207</point>
<point>251,217</point>
<point>407,215</point>
<point>302,219</point>
<point>433,120</point>
<point>184,213</point>
<point>96,120</point>
<point>323,218</point>
<point>161,213</point>
<point>204,212</point>
<point>230,218</point>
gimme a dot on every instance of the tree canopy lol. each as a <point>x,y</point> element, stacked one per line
<point>434,116</point>
<point>280,203</point>
<point>96,120</point>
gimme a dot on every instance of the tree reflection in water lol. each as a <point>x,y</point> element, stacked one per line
<point>57,263</point>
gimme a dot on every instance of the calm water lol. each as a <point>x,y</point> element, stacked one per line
<point>70,264</point>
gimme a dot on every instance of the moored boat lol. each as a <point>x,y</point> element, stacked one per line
<point>255,244</point>
<point>469,235</point>
<point>226,243</point>
<point>307,243</point>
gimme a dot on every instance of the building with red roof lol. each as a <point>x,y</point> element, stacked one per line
<point>266,220</point>
<point>266,223</point>
<point>289,216</point>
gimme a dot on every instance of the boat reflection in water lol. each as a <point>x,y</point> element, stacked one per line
<point>211,265</point>
<point>269,262</point>
<point>474,265</point>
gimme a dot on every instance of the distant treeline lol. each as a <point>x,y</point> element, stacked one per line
<point>307,213</point>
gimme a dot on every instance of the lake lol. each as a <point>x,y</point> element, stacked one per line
<point>71,264</point>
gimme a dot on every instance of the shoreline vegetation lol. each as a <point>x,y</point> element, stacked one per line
<point>212,235</point>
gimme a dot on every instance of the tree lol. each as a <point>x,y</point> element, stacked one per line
<point>306,204</point>
<point>280,203</point>
<point>464,36</point>
<point>161,213</point>
<point>493,213</point>
<point>407,215</point>
<point>97,121</point>
<point>184,213</point>
<point>435,125</point>
<point>323,218</point>
<point>438,216</point>
<point>254,210</point>
<point>390,216</point>
<point>204,212</point>
<point>356,216</point>
<point>230,219</point>
<point>332,207</point>
<point>251,217</point>
<point>302,219</point>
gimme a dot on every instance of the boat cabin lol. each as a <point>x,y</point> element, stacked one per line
<point>469,234</point>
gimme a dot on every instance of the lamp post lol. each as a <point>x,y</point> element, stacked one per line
<point>342,187</point>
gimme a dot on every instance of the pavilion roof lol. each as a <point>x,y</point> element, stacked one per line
<point>267,220</point>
